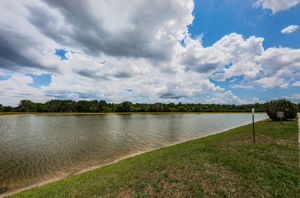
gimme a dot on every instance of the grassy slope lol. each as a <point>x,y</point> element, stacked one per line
<point>222,165</point>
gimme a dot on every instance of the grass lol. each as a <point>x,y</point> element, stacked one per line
<point>227,164</point>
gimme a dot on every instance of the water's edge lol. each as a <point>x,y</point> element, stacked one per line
<point>116,113</point>
<point>109,163</point>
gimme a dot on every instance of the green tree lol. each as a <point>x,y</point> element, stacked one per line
<point>124,107</point>
<point>83,106</point>
<point>93,107</point>
<point>53,106</point>
<point>8,109</point>
<point>102,104</point>
<point>27,106</point>
<point>288,108</point>
<point>157,107</point>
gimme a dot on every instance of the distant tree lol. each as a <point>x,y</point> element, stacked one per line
<point>102,104</point>
<point>8,109</point>
<point>124,107</point>
<point>27,106</point>
<point>83,106</point>
<point>1,107</point>
<point>40,107</point>
<point>166,108</point>
<point>53,106</point>
<point>157,107</point>
<point>288,108</point>
<point>67,106</point>
<point>182,109</point>
<point>93,107</point>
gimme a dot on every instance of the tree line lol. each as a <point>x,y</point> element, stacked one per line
<point>103,106</point>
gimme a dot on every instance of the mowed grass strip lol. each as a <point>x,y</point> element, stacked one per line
<point>227,164</point>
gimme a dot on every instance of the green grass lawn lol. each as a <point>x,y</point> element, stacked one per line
<point>223,165</point>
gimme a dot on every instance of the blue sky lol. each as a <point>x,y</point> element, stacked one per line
<point>215,19</point>
<point>40,80</point>
<point>227,16</point>
<point>203,51</point>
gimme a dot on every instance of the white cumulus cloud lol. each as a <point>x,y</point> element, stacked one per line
<point>294,97</point>
<point>289,29</point>
<point>276,5</point>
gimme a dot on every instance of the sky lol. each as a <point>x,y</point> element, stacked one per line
<point>202,51</point>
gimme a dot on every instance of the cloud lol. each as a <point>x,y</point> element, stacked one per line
<point>171,95</point>
<point>296,84</point>
<point>276,5</point>
<point>117,28</point>
<point>175,90</point>
<point>289,29</point>
<point>111,47</point>
<point>294,97</point>
<point>241,86</point>
<point>16,51</point>
<point>231,56</point>
<point>23,49</point>
<point>279,67</point>
<point>227,97</point>
<point>247,58</point>
<point>202,60</point>
<point>17,88</point>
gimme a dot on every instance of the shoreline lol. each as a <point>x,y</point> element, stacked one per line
<point>109,163</point>
<point>8,193</point>
<point>74,173</point>
<point>3,114</point>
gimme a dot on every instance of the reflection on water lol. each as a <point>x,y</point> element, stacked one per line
<point>35,148</point>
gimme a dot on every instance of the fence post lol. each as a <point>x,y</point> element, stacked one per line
<point>253,130</point>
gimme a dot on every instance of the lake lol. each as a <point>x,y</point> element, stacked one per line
<point>36,148</point>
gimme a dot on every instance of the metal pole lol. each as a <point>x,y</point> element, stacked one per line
<point>253,125</point>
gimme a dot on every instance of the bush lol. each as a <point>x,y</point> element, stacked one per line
<point>288,108</point>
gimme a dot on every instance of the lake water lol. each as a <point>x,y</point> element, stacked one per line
<point>36,148</point>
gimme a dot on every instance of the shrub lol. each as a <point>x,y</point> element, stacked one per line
<point>288,108</point>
